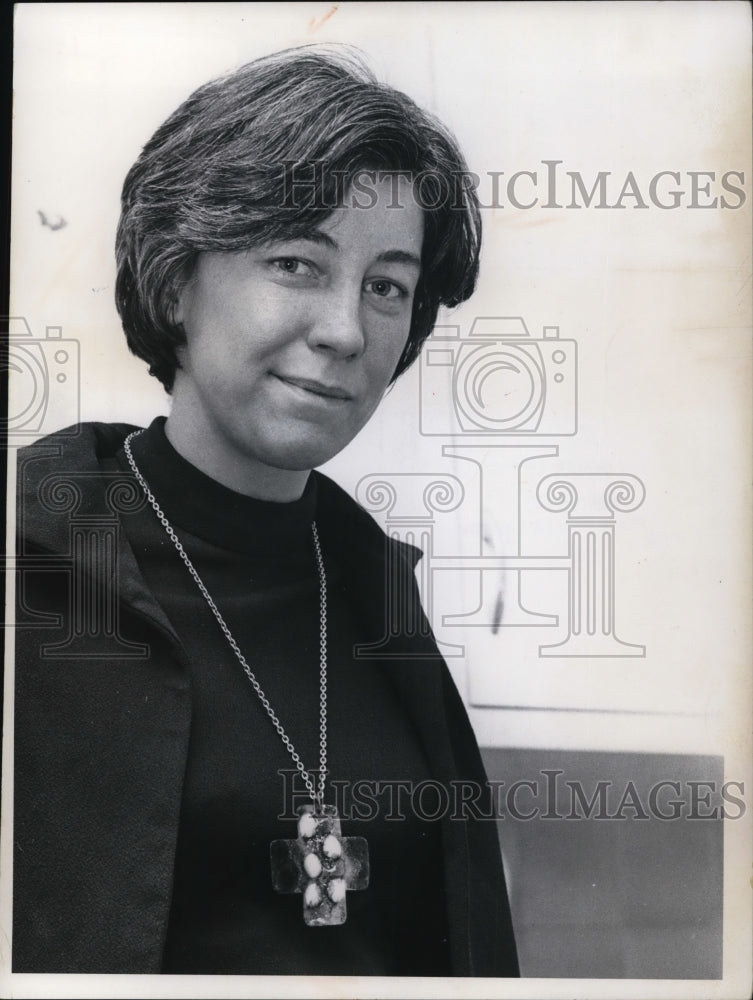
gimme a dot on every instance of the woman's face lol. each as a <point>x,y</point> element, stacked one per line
<point>291,345</point>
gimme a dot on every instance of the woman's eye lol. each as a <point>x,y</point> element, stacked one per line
<point>385,289</point>
<point>291,265</point>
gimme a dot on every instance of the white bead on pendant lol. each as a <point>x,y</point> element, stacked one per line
<point>322,865</point>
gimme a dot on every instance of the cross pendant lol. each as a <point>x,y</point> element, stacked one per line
<point>322,864</point>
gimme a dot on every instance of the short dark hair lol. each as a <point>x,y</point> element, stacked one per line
<point>216,177</point>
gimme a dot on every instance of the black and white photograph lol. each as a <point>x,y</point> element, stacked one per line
<point>377,562</point>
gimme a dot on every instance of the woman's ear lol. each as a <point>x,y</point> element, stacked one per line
<point>178,305</point>
<point>177,310</point>
<point>178,293</point>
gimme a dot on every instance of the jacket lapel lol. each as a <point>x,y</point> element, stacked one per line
<point>129,699</point>
<point>380,576</point>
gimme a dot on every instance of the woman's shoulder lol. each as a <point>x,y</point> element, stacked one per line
<point>81,443</point>
<point>61,475</point>
<point>353,525</point>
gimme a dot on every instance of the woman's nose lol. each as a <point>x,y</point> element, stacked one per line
<point>338,323</point>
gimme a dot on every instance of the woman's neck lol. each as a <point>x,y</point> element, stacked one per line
<point>198,504</point>
<point>219,460</point>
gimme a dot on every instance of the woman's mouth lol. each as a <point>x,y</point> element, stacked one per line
<point>315,388</point>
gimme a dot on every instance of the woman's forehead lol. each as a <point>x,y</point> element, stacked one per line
<point>375,219</point>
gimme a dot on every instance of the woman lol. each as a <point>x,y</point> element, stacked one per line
<point>286,239</point>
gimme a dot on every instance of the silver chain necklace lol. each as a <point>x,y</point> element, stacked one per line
<point>317,797</point>
<point>320,863</point>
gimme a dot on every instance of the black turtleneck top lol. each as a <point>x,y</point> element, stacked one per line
<point>257,561</point>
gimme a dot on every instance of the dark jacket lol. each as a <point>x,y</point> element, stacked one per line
<point>103,716</point>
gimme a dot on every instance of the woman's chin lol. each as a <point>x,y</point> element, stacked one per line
<point>301,456</point>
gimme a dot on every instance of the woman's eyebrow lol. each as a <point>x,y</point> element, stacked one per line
<point>400,257</point>
<point>386,257</point>
<point>318,237</point>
